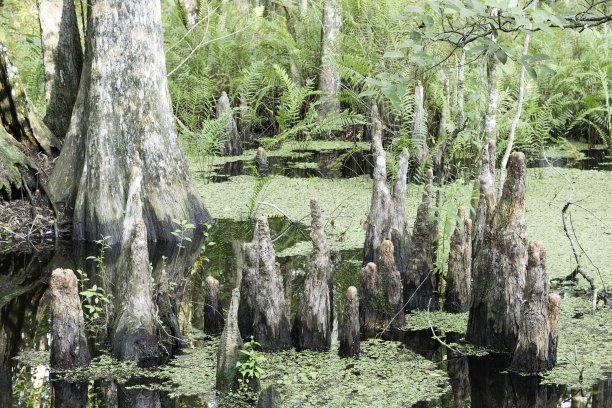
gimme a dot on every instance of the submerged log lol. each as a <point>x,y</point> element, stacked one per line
<point>459,275</point>
<point>230,345</point>
<point>135,328</point>
<point>231,138</point>
<point>499,268</point>
<point>69,345</point>
<point>486,183</point>
<point>531,353</point>
<point>312,326</point>
<point>270,323</point>
<point>349,334</point>
<point>420,283</point>
<point>213,311</point>
<point>248,285</point>
<point>261,162</point>
<point>387,216</point>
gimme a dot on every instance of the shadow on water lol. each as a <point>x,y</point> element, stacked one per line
<point>477,382</point>
<point>341,163</point>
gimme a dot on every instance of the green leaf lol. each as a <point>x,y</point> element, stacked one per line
<point>413,9</point>
<point>501,55</point>
<point>393,54</point>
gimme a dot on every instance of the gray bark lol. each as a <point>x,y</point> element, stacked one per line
<point>231,138</point>
<point>420,282</point>
<point>554,312</point>
<point>419,130</point>
<point>68,345</point>
<point>517,115</point>
<point>531,353</point>
<point>329,78</point>
<point>21,129</point>
<point>387,216</point>
<point>248,285</point>
<point>391,285</point>
<point>349,334</point>
<point>269,398</point>
<point>312,326</point>
<point>486,183</point>
<point>460,97</point>
<point>63,61</point>
<point>500,265</point>
<point>190,12</point>
<point>213,311</point>
<point>369,299</point>
<point>229,347</point>
<point>135,334</point>
<point>261,162</point>
<point>459,275</point>
<point>270,323</point>
<point>492,96</point>
<point>123,108</point>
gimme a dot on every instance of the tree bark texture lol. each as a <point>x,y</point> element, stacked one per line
<point>248,285</point>
<point>213,311</point>
<point>349,334</point>
<point>391,285</point>
<point>190,12</point>
<point>69,345</point>
<point>533,346</point>
<point>20,129</point>
<point>135,334</point>
<point>492,96</point>
<point>229,347</point>
<point>123,107</point>
<point>270,323</point>
<point>459,275</point>
<point>500,265</point>
<point>420,281</point>
<point>269,398</point>
<point>387,216</point>
<point>63,61</point>
<point>329,78</point>
<point>486,183</point>
<point>231,138</point>
<point>312,325</point>
<point>419,131</point>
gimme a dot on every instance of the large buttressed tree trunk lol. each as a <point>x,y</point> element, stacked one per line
<point>329,79</point>
<point>123,108</point>
<point>63,60</point>
<point>500,265</point>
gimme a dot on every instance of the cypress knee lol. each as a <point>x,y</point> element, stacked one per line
<point>261,162</point>
<point>500,265</point>
<point>420,281</point>
<point>270,324</point>
<point>459,275</point>
<point>213,311</point>
<point>387,216</point>
<point>231,137</point>
<point>248,285</point>
<point>531,353</point>
<point>349,336</point>
<point>391,285</point>
<point>230,345</point>
<point>554,311</point>
<point>69,346</point>
<point>368,297</point>
<point>312,327</point>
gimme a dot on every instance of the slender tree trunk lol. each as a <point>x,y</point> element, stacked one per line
<point>63,60</point>
<point>486,183</point>
<point>329,79</point>
<point>419,131</point>
<point>517,117</point>
<point>190,12</point>
<point>460,97</point>
<point>123,108</point>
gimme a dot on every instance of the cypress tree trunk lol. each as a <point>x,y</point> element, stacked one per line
<point>500,265</point>
<point>460,80</point>
<point>312,326</point>
<point>230,345</point>
<point>419,130</point>
<point>123,108</point>
<point>492,96</point>
<point>248,285</point>
<point>213,311</point>
<point>63,60</point>
<point>486,183</point>
<point>190,12</point>
<point>329,79</point>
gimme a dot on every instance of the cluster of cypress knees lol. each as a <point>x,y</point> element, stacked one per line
<point>493,272</point>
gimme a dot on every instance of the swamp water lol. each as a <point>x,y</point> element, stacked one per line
<point>412,369</point>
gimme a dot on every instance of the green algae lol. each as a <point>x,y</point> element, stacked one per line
<point>443,322</point>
